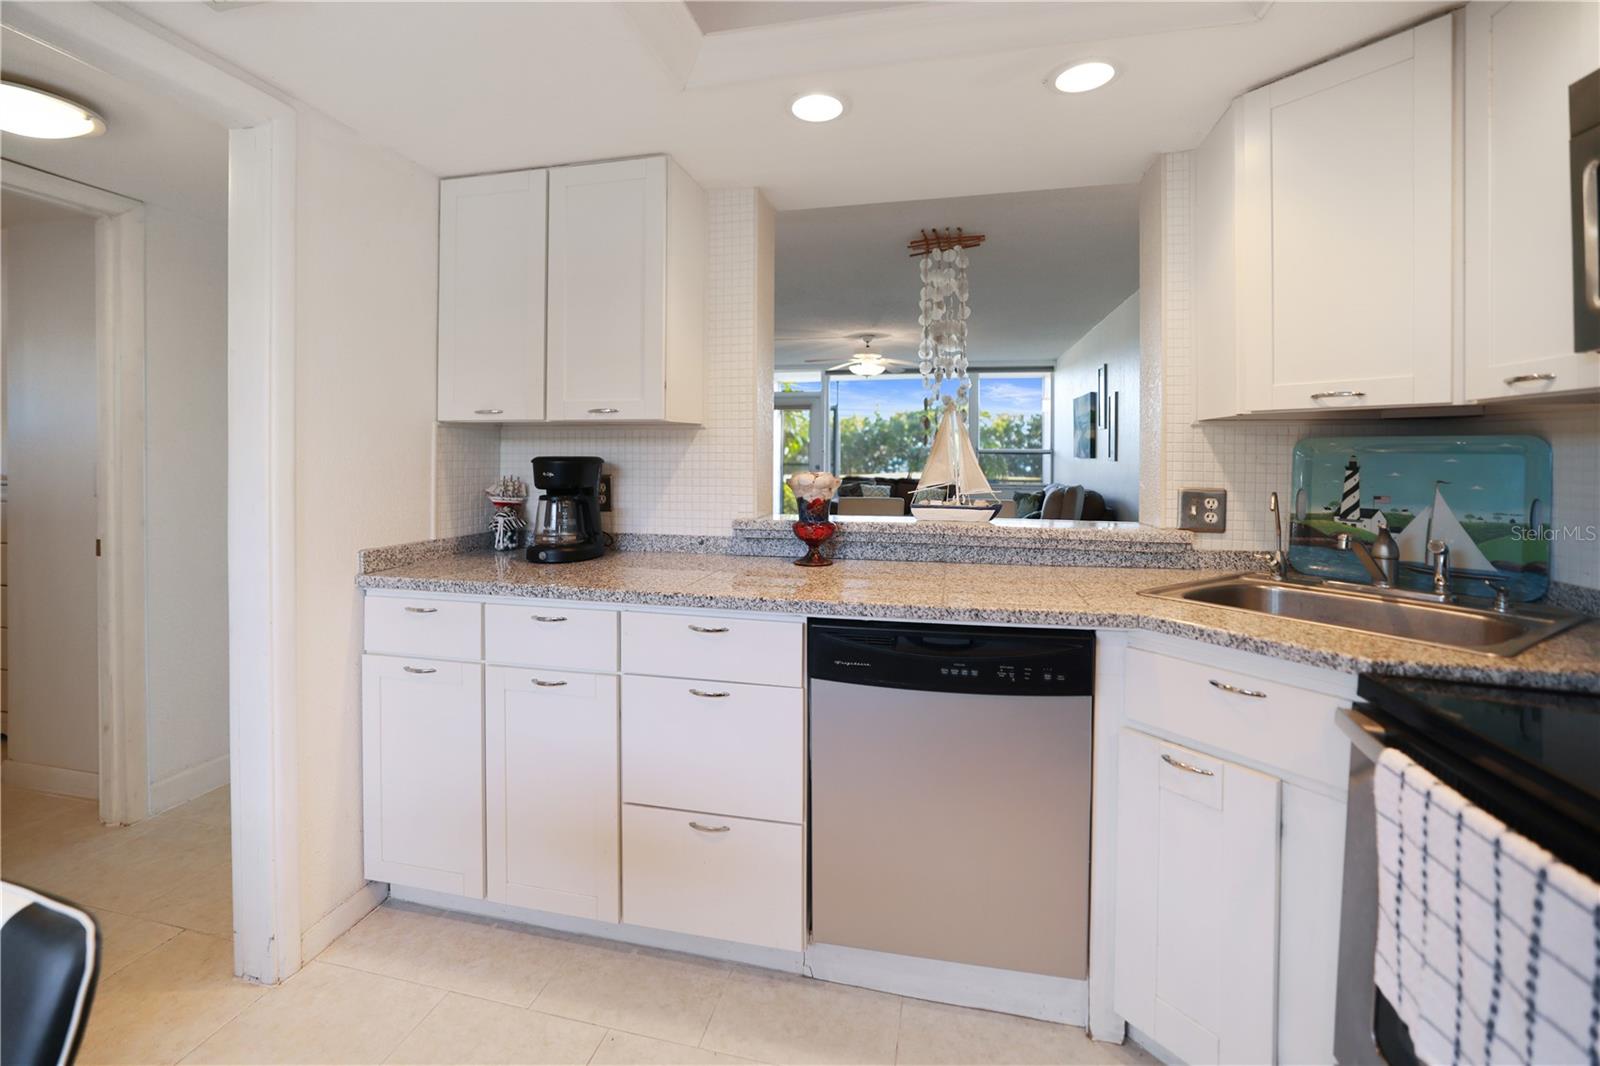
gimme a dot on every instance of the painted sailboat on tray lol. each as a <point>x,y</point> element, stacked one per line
<point>953,488</point>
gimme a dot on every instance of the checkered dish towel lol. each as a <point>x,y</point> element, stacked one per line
<point>1488,948</point>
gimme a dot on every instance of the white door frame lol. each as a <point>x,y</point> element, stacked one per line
<point>119,481</point>
<point>261,524</point>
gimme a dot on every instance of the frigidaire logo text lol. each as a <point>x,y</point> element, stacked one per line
<point>849,662</point>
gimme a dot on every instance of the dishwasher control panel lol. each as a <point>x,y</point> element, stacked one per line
<point>980,659</point>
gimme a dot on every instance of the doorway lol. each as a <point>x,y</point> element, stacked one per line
<point>48,469</point>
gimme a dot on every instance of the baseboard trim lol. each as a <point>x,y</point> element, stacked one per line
<point>189,784</point>
<point>57,779</point>
<point>341,919</point>
<point>749,954</point>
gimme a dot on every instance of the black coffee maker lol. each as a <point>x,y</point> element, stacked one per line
<point>567,525</point>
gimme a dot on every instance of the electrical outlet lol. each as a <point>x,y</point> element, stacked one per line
<point>605,492</point>
<point>1203,510</point>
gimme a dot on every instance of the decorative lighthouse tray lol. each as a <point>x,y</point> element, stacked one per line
<point>1488,498</point>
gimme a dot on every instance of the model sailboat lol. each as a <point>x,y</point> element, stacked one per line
<point>953,488</point>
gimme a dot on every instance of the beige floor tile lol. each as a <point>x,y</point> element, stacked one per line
<point>457,953</point>
<point>22,808</point>
<point>124,938</point>
<point>161,1006</point>
<point>630,1049</point>
<point>214,808</point>
<point>669,998</point>
<point>129,871</point>
<point>201,900</point>
<point>323,1014</point>
<point>932,1034</point>
<point>797,1020</point>
<point>464,1029</point>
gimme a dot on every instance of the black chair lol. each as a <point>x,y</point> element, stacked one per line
<point>49,963</point>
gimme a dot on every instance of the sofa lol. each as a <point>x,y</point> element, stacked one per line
<point>1064,502</point>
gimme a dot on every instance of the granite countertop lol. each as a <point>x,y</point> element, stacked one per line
<point>1085,597</point>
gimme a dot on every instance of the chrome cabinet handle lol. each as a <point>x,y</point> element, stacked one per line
<point>1179,765</point>
<point>1236,690</point>
<point>1591,235</point>
<point>548,617</point>
<point>422,610</point>
<point>1338,394</point>
<point>489,411</point>
<point>548,684</point>
<point>708,695</point>
<point>710,828</point>
<point>709,629</point>
<point>602,410</point>
<point>419,670</point>
<point>1518,379</point>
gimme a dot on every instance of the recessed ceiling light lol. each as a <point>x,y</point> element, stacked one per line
<point>29,112</point>
<point>1082,77</point>
<point>817,107</point>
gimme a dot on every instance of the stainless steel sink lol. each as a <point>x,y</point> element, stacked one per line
<point>1400,615</point>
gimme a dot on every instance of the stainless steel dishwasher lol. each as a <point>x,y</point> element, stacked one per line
<point>949,792</point>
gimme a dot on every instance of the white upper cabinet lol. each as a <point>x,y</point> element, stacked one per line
<point>1520,58</point>
<point>492,297</point>
<point>1324,239</point>
<point>1346,229</point>
<point>627,267</point>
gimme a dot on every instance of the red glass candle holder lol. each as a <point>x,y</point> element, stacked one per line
<point>814,530</point>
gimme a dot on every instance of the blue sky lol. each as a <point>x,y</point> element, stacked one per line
<point>904,393</point>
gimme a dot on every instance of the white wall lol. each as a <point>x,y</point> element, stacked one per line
<point>49,461</point>
<point>366,253</point>
<point>1113,342</point>
<point>186,501</point>
<point>1251,459</point>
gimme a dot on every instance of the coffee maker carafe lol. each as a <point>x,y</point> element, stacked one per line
<point>566,527</point>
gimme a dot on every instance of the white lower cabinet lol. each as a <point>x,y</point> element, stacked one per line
<point>1197,876</point>
<point>714,876</point>
<point>422,773</point>
<point>550,785</point>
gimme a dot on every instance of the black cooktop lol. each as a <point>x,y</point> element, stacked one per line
<point>1529,756</point>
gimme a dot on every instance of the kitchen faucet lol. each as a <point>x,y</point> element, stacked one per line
<point>1346,543</point>
<point>1277,561</point>
<point>1439,557</point>
<point>1381,561</point>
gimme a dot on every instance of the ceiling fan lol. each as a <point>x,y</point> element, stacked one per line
<point>865,363</point>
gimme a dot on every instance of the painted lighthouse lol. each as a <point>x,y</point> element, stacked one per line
<point>1350,512</point>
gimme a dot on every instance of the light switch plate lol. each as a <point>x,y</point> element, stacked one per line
<point>1203,510</point>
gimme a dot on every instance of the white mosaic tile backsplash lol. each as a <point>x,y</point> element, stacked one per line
<point>1252,459</point>
<point>466,461</point>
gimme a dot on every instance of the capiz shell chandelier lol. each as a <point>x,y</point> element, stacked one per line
<point>944,307</point>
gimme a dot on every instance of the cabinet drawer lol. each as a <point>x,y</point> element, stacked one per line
<point>729,878</point>
<point>713,746</point>
<point>727,649</point>
<point>438,629</point>
<point>1271,723</point>
<point>552,636</point>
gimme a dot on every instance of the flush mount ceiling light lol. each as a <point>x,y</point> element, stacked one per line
<point>816,107</point>
<point>1083,77</point>
<point>29,112</point>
